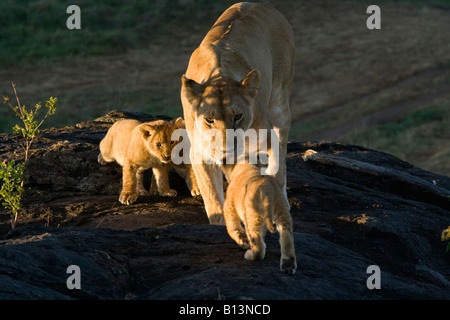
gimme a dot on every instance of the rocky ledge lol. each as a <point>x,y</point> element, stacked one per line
<point>352,208</point>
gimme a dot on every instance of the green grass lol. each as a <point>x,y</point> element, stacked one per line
<point>421,137</point>
<point>37,29</point>
<point>427,2</point>
<point>411,121</point>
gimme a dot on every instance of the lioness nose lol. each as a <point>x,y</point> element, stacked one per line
<point>167,158</point>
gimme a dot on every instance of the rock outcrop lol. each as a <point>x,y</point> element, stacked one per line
<point>352,208</point>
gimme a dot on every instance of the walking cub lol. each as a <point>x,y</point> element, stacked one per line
<point>137,147</point>
<point>257,201</point>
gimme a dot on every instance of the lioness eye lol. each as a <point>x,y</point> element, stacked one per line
<point>158,144</point>
<point>209,120</point>
<point>238,117</point>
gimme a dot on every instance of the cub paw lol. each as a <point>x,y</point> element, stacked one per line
<point>171,193</point>
<point>128,198</point>
<point>254,255</point>
<point>288,264</point>
<point>142,192</point>
<point>195,192</point>
<point>241,240</point>
<point>101,160</point>
<point>244,245</point>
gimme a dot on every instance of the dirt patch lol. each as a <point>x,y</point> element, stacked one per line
<point>391,113</point>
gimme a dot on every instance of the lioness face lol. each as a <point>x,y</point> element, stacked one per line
<point>219,106</point>
<point>158,137</point>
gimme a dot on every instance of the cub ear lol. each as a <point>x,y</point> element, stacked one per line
<point>191,90</point>
<point>177,123</point>
<point>146,130</point>
<point>250,84</point>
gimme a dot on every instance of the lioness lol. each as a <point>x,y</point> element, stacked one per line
<point>138,146</point>
<point>257,202</point>
<point>238,78</point>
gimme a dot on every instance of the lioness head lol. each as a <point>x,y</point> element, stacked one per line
<point>158,137</point>
<point>221,104</point>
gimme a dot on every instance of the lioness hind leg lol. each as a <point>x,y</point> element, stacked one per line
<point>281,120</point>
<point>210,182</point>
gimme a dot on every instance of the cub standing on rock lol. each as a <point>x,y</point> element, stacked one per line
<point>257,201</point>
<point>137,147</point>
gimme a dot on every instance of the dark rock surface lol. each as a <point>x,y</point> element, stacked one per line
<point>352,207</point>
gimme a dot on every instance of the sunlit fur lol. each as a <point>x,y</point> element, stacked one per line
<point>239,77</point>
<point>257,202</point>
<point>138,147</point>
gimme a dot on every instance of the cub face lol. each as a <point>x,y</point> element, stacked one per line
<point>158,137</point>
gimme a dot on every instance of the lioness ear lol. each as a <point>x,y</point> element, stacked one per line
<point>250,84</point>
<point>191,89</point>
<point>146,130</point>
<point>177,123</point>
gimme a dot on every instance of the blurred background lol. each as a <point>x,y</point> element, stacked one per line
<point>386,89</point>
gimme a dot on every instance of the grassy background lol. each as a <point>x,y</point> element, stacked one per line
<point>422,135</point>
<point>385,89</point>
<point>37,29</point>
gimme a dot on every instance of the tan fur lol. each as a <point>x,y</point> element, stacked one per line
<point>186,171</point>
<point>257,202</point>
<point>138,147</point>
<point>239,77</point>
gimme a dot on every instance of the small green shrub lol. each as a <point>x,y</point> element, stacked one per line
<point>445,236</point>
<point>12,174</point>
<point>12,187</point>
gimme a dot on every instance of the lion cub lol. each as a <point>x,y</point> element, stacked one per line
<point>137,147</point>
<point>257,201</point>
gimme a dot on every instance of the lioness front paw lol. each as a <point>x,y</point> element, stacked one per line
<point>128,198</point>
<point>171,193</point>
<point>288,264</point>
